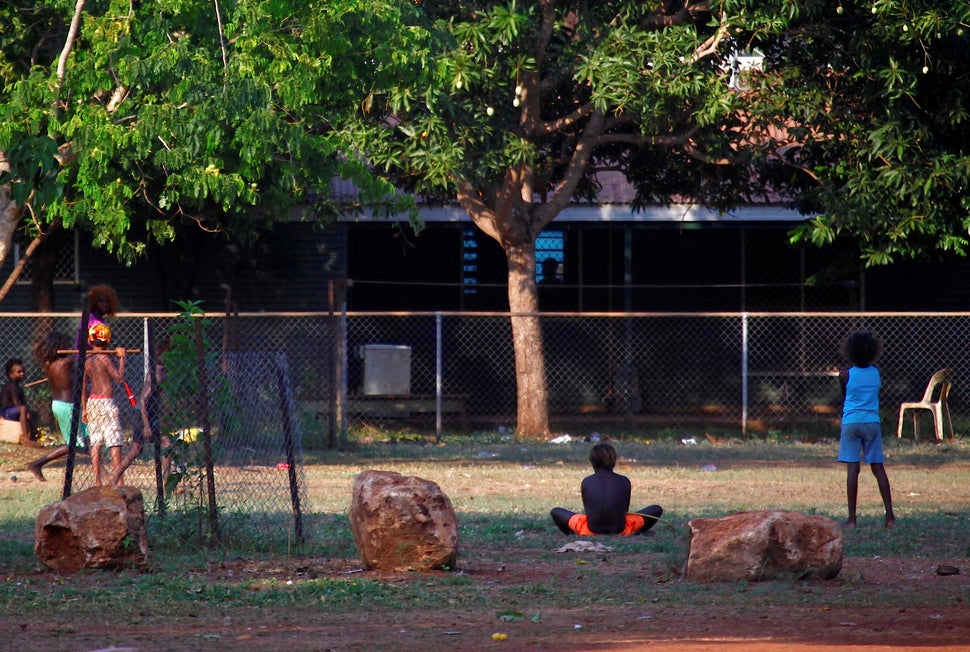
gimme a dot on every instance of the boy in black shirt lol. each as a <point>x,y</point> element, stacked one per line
<point>606,501</point>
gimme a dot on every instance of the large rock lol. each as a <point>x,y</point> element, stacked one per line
<point>403,523</point>
<point>763,545</point>
<point>101,527</point>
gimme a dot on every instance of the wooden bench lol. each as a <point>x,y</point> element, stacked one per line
<point>403,406</point>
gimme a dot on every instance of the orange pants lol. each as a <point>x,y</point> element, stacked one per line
<point>579,524</point>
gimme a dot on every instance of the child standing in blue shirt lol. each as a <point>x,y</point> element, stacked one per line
<point>861,435</point>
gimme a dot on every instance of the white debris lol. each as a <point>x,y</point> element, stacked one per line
<point>584,546</point>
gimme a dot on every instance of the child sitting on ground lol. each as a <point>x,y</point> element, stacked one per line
<point>13,403</point>
<point>606,501</point>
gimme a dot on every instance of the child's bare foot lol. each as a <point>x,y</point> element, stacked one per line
<point>849,523</point>
<point>36,469</point>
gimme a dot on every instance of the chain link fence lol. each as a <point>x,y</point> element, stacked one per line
<point>278,383</point>
<point>224,403</point>
<point>742,372</point>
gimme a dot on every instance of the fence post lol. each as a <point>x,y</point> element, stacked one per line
<point>151,410</point>
<point>287,410</point>
<point>341,382</point>
<point>744,375</point>
<point>333,373</point>
<point>82,345</point>
<point>206,433</point>
<point>437,377</point>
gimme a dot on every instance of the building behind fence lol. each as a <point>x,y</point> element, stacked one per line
<point>280,383</point>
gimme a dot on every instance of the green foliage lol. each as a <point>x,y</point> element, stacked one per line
<point>189,405</point>
<point>33,171</point>
<point>877,99</point>
<point>518,87</point>
<point>170,116</point>
<point>858,114</point>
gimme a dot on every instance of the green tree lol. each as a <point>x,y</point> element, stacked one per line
<point>877,140</point>
<point>131,121</point>
<point>528,101</point>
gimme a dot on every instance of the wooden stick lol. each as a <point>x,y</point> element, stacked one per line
<point>93,351</point>
<point>35,382</point>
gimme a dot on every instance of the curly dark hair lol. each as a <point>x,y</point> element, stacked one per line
<point>98,291</point>
<point>47,349</point>
<point>11,363</point>
<point>862,349</point>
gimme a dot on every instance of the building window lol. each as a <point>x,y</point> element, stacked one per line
<point>469,261</point>
<point>549,247</point>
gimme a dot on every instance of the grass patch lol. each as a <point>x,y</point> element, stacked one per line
<point>503,489</point>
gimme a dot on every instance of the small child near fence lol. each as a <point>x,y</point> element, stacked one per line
<point>98,408</point>
<point>861,432</point>
<point>153,408</point>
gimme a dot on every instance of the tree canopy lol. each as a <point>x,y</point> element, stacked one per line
<point>528,102</point>
<point>877,97</point>
<point>129,120</point>
<point>856,115</point>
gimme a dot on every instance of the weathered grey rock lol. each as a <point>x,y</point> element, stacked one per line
<point>101,527</point>
<point>403,523</point>
<point>763,545</point>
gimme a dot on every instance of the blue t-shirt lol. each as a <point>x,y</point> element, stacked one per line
<point>862,395</point>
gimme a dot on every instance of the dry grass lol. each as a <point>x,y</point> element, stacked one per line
<point>267,597</point>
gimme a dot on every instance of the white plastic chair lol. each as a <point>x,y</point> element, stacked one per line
<point>934,400</point>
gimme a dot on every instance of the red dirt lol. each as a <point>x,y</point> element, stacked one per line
<point>812,626</point>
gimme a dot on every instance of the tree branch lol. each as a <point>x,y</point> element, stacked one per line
<point>546,128</point>
<point>562,193</point>
<point>709,47</point>
<point>672,13</point>
<point>704,157</point>
<point>222,41</point>
<point>645,140</point>
<point>477,209</point>
<point>69,42</point>
<point>19,268</point>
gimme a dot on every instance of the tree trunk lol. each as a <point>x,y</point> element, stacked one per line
<point>530,365</point>
<point>9,213</point>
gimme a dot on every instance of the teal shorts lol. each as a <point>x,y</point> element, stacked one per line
<point>62,412</point>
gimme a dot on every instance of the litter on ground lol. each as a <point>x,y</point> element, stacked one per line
<point>584,546</point>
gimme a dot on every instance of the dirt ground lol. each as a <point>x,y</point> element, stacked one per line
<point>701,627</point>
<point>939,622</point>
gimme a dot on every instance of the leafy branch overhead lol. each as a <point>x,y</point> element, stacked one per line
<point>854,113</point>
<point>216,115</point>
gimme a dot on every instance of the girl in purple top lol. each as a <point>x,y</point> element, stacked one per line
<point>102,304</point>
<point>861,435</point>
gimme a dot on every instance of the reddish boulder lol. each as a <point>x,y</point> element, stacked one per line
<point>101,527</point>
<point>763,545</point>
<point>402,523</point>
